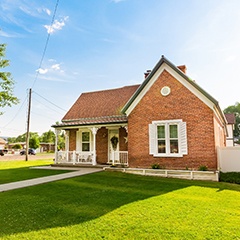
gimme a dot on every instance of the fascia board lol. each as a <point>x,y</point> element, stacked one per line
<point>145,89</point>
<point>177,76</point>
<point>191,87</point>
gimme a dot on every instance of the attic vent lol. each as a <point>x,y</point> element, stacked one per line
<point>165,91</point>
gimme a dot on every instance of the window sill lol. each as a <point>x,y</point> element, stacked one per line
<point>168,155</point>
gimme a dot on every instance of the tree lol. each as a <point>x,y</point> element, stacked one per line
<point>34,142</point>
<point>236,110</point>
<point>17,146</point>
<point>48,137</point>
<point>6,82</point>
<point>11,140</point>
<point>61,141</point>
<point>22,138</point>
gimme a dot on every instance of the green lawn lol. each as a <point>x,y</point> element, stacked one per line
<point>12,171</point>
<point>114,205</point>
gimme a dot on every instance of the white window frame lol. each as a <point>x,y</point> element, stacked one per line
<point>182,138</point>
<point>89,142</point>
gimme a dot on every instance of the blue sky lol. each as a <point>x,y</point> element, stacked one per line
<point>101,44</point>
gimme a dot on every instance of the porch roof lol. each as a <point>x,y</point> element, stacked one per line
<point>93,121</point>
<point>99,107</point>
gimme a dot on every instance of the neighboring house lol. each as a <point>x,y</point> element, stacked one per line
<point>46,147</point>
<point>168,120</point>
<point>231,120</point>
<point>2,143</point>
<point>11,145</point>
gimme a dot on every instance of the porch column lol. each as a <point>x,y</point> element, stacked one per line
<point>57,132</point>
<point>67,140</point>
<point>94,132</point>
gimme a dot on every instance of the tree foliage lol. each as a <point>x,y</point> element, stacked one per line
<point>61,141</point>
<point>6,82</point>
<point>35,139</point>
<point>22,138</point>
<point>48,137</point>
<point>34,142</point>
<point>17,146</point>
<point>236,110</point>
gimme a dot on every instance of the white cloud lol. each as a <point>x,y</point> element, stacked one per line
<point>9,35</point>
<point>47,11</point>
<point>53,69</point>
<point>56,66</point>
<point>57,25</point>
<point>42,71</point>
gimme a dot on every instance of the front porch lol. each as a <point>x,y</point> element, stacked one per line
<point>87,158</point>
<point>98,145</point>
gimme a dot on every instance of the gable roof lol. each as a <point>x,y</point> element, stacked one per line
<point>164,63</point>
<point>230,118</point>
<point>99,107</point>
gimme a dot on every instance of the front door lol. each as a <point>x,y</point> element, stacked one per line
<point>113,146</point>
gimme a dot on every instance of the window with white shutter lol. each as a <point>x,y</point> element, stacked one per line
<point>168,138</point>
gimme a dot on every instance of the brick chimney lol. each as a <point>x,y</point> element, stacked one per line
<point>147,73</point>
<point>183,68</point>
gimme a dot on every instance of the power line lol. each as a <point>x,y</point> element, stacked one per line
<point>50,102</point>
<point>46,44</point>
<point>16,113</point>
<point>46,106</point>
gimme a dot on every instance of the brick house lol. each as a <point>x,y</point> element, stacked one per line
<point>168,120</point>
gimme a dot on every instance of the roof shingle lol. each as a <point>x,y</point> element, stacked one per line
<point>100,106</point>
<point>230,118</point>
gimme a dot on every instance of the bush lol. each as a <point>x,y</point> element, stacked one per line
<point>17,146</point>
<point>203,168</point>
<point>231,177</point>
<point>156,166</point>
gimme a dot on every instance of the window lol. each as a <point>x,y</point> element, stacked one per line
<point>85,141</point>
<point>168,138</point>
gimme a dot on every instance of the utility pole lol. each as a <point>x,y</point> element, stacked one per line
<point>28,122</point>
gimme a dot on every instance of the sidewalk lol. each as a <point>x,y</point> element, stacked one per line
<point>31,182</point>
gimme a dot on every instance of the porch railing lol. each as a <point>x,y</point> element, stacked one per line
<point>74,157</point>
<point>119,157</point>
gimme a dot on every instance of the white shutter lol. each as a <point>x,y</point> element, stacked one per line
<point>78,141</point>
<point>152,139</point>
<point>183,138</point>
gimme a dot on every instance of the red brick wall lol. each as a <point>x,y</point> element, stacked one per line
<point>72,139</point>
<point>123,145</point>
<point>180,104</point>
<point>102,146</point>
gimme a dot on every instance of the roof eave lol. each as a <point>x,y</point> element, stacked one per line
<point>158,65</point>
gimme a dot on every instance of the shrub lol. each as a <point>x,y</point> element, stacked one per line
<point>203,168</point>
<point>156,166</point>
<point>231,177</point>
<point>17,146</point>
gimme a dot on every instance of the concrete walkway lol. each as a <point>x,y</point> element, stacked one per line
<point>31,182</point>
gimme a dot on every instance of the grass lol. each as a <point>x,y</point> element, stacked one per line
<point>12,171</point>
<point>114,205</point>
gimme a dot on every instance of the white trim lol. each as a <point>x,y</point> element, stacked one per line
<point>178,77</point>
<point>182,138</point>
<point>165,91</point>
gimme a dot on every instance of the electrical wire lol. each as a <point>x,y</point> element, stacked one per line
<point>46,44</point>
<point>49,101</point>
<point>47,106</point>
<point>16,113</point>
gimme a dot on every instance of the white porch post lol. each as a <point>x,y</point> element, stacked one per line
<point>57,132</point>
<point>67,141</point>
<point>94,132</point>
